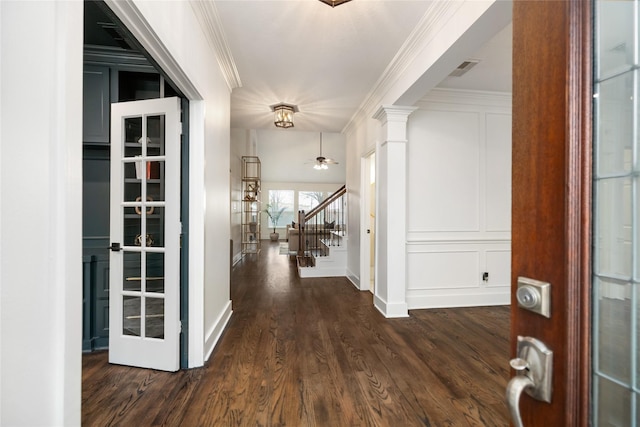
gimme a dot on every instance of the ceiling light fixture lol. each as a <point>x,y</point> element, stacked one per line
<point>334,3</point>
<point>283,115</point>
<point>322,162</point>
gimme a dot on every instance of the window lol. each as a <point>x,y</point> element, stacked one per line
<point>281,199</point>
<point>308,200</point>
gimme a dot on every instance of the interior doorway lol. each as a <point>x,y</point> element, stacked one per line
<point>116,69</point>
<point>368,232</point>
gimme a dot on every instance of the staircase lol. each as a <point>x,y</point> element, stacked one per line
<point>323,238</point>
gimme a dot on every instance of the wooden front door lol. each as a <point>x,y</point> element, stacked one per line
<point>552,122</point>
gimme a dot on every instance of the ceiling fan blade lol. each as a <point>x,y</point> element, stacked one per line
<point>330,161</point>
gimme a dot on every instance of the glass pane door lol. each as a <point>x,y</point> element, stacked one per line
<point>616,379</point>
<point>145,199</point>
<point>143,217</point>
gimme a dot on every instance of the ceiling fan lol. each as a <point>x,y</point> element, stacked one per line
<point>321,162</point>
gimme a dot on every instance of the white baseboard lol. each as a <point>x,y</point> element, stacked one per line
<point>355,281</point>
<point>468,299</point>
<point>390,310</point>
<point>236,258</point>
<point>216,330</point>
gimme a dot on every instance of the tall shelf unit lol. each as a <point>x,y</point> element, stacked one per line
<point>251,204</point>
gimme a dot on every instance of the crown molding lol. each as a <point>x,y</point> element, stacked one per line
<point>211,24</point>
<point>450,96</point>
<point>436,15</point>
<point>135,22</point>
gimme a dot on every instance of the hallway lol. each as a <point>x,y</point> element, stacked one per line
<point>315,352</point>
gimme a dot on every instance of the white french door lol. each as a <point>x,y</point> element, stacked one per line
<point>144,287</point>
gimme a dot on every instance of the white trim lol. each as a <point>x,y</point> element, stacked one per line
<point>65,217</point>
<point>310,272</point>
<point>236,259</point>
<point>458,241</point>
<point>353,279</point>
<point>197,205</point>
<point>365,208</point>
<point>214,334</point>
<point>365,250</point>
<point>488,100</point>
<point>211,24</point>
<point>390,310</point>
<point>449,299</point>
<point>163,354</point>
<point>394,114</point>
<point>135,22</point>
<point>1,198</point>
<point>427,28</point>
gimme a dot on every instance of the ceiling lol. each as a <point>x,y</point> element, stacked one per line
<point>326,60</point>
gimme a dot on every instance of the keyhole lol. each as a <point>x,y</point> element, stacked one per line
<point>527,297</point>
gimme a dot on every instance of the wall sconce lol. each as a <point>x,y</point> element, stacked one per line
<point>283,115</point>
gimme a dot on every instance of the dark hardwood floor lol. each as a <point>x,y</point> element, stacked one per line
<point>315,352</point>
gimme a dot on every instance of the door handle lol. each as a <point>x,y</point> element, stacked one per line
<point>533,366</point>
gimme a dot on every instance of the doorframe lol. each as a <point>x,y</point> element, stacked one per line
<point>137,25</point>
<point>365,240</point>
<point>579,230</point>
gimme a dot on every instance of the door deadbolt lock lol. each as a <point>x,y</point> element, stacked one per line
<point>534,295</point>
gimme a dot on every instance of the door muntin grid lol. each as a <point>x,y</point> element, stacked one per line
<point>616,212</point>
<point>143,208</point>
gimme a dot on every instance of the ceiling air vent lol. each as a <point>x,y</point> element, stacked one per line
<point>464,67</point>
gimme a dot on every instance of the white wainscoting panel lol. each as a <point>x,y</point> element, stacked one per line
<point>449,298</point>
<point>444,269</point>
<point>498,265</point>
<point>459,182</point>
<point>449,274</point>
<point>498,172</point>
<point>443,166</point>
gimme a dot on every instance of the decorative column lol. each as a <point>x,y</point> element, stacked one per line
<point>391,227</point>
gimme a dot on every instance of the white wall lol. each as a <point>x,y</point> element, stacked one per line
<point>450,33</point>
<point>41,213</point>
<point>40,224</point>
<point>286,155</point>
<point>459,205</point>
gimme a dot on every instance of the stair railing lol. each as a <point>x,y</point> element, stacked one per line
<point>323,226</point>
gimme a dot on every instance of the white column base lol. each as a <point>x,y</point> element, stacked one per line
<point>391,310</point>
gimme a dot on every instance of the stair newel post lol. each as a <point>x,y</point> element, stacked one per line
<point>301,237</point>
